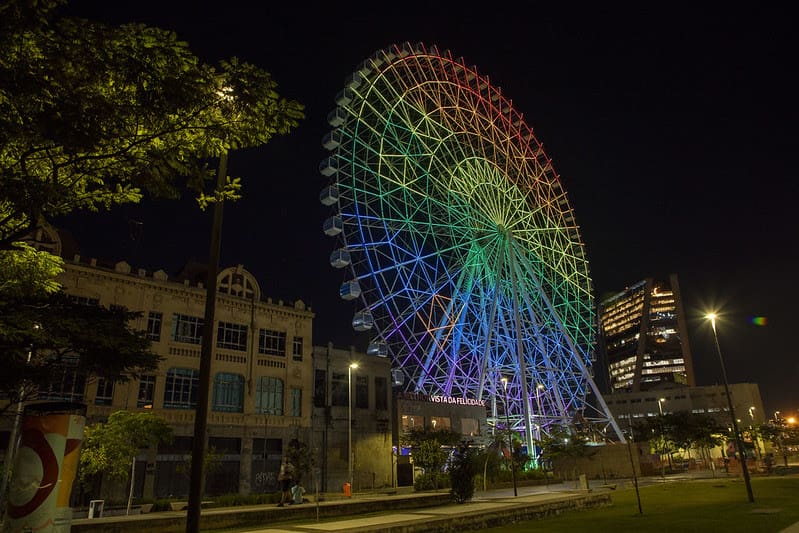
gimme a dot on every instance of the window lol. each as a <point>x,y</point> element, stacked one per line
<point>146,392</point>
<point>269,396</point>
<point>296,350</point>
<point>84,300</point>
<point>105,392</point>
<point>66,383</point>
<point>320,388</point>
<point>272,342</point>
<point>231,336</point>
<point>339,396</point>
<point>296,402</point>
<point>154,326</point>
<point>381,393</point>
<point>362,392</point>
<point>440,422</point>
<point>228,393</point>
<point>181,388</point>
<point>187,329</point>
<point>412,422</point>
<point>470,426</point>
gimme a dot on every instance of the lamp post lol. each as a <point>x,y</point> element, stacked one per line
<point>737,433</point>
<point>662,440</point>
<point>510,437</point>
<point>349,420</point>
<point>753,433</point>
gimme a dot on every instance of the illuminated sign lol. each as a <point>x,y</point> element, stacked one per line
<point>418,397</point>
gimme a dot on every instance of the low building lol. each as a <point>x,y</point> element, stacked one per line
<point>466,416</point>
<point>705,400</point>
<point>352,405</point>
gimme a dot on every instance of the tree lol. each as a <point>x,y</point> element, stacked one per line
<point>427,449</point>
<point>41,338</point>
<point>462,469</point>
<point>564,447</point>
<point>780,434</point>
<point>26,272</point>
<point>111,448</point>
<point>300,456</point>
<point>683,430</point>
<point>93,116</point>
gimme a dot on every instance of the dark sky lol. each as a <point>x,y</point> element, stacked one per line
<point>674,132</point>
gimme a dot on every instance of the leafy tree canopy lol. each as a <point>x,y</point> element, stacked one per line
<point>561,443</point>
<point>682,429</point>
<point>110,448</point>
<point>413,438</point>
<point>26,272</point>
<point>39,335</point>
<point>93,116</point>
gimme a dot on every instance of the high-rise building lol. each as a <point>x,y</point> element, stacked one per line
<point>645,337</point>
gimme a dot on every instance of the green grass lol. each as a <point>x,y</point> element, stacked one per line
<point>702,506</point>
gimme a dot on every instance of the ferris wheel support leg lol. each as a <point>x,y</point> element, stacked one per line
<point>579,360</point>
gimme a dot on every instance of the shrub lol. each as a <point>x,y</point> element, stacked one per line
<point>430,481</point>
<point>462,472</point>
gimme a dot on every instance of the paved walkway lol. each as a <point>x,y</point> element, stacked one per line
<point>485,506</point>
<point>494,502</point>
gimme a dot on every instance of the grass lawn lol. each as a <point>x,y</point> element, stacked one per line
<point>718,505</point>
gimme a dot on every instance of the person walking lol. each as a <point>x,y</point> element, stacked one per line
<point>284,478</point>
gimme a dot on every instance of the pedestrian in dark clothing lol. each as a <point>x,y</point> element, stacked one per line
<point>284,478</point>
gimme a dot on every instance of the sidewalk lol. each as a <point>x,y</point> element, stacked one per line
<point>405,512</point>
<point>485,510</point>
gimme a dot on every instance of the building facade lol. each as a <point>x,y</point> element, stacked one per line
<point>644,337</point>
<point>352,405</point>
<point>704,400</point>
<point>261,373</point>
<point>465,416</point>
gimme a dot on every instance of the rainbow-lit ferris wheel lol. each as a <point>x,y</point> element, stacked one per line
<point>459,245</point>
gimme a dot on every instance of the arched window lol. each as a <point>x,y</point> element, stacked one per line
<point>236,281</point>
<point>228,393</point>
<point>269,396</point>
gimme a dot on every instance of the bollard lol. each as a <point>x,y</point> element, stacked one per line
<point>347,489</point>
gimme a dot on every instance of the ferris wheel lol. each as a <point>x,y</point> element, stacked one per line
<point>458,243</point>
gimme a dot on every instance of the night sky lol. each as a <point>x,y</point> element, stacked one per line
<point>674,133</point>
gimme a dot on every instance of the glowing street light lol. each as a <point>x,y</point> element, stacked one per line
<point>660,405</point>
<point>737,433</point>
<point>349,419</point>
<point>510,436</point>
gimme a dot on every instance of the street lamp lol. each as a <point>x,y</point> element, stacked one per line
<point>738,442</point>
<point>660,405</point>
<point>753,433</point>
<point>349,419</point>
<point>510,437</point>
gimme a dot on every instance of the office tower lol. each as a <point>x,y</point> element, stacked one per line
<point>645,337</point>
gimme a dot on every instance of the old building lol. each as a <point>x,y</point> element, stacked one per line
<point>353,407</point>
<point>261,372</point>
